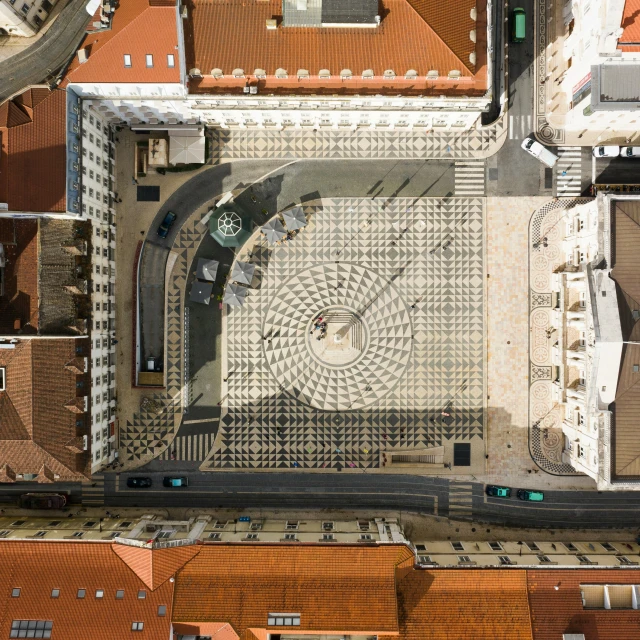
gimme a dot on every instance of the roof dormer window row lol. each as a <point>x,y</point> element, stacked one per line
<point>148,59</point>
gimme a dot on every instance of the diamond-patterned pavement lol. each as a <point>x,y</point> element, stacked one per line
<point>402,289</point>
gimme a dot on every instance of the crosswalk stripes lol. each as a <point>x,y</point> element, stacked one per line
<point>93,493</point>
<point>520,127</point>
<point>469,176</point>
<point>460,500</point>
<point>569,171</point>
<point>194,447</point>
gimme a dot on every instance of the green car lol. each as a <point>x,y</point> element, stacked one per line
<point>518,25</point>
<point>498,492</point>
<point>531,496</point>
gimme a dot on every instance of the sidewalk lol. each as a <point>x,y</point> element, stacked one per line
<point>508,381</point>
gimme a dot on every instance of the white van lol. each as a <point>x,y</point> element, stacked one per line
<point>537,150</point>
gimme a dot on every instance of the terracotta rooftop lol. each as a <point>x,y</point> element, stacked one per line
<point>626,408</point>
<point>418,35</point>
<point>630,38</point>
<point>38,567</point>
<point>555,612</point>
<point>19,304</point>
<point>43,271</point>
<point>38,431</point>
<point>332,588</point>
<point>33,151</point>
<point>137,29</point>
<point>463,604</point>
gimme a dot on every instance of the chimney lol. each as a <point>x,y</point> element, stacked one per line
<point>83,55</point>
<point>272,23</point>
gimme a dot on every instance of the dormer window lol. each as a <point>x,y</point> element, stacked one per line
<point>149,60</point>
<point>127,60</point>
<point>283,620</point>
<point>171,60</point>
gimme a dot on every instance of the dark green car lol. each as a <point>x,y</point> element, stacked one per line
<point>531,496</point>
<point>498,492</point>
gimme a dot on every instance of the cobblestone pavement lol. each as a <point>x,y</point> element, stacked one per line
<point>510,292</point>
<point>401,364</point>
<point>480,142</point>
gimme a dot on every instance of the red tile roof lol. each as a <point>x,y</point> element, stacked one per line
<point>421,35</point>
<point>155,566</point>
<point>38,433</point>
<point>630,26</point>
<point>33,151</point>
<point>464,604</point>
<point>555,612</point>
<point>19,304</point>
<point>37,567</point>
<point>344,589</point>
<point>137,29</point>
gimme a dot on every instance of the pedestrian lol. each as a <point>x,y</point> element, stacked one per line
<point>564,173</point>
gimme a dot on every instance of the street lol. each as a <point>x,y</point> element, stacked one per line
<point>560,509</point>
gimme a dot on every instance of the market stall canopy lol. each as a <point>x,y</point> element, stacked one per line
<point>201,292</point>
<point>207,269</point>
<point>274,231</point>
<point>294,218</point>
<point>229,225</point>
<point>234,295</point>
<point>243,272</point>
<point>187,149</point>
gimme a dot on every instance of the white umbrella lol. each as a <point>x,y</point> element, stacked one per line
<point>234,295</point>
<point>294,218</point>
<point>274,230</point>
<point>243,272</point>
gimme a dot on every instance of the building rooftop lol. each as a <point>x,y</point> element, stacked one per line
<point>82,588</point>
<point>33,151</point>
<point>331,588</point>
<point>139,28</point>
<point>230,591</point>
<point>416,36</point>
<point>555,612</point>
<point>463,604</point>
<point>42,411</point>
<point>626,408</point>
<point>44,277</point>
<point>629,41</point>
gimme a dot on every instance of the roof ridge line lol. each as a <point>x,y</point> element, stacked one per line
<point>453,53</point>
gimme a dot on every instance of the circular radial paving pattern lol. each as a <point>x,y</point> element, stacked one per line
<point>367,344</point>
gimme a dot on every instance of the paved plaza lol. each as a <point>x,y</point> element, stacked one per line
<point>402,363</point>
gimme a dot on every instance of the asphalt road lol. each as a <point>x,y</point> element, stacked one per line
<point>512,171</point>
<point>560,509</point>
<point>41,61</point>
<point>617,171</point>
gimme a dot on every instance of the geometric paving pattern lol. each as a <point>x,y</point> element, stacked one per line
<point>145,434</point>
<point>231,144</point>
<point>401,288</point>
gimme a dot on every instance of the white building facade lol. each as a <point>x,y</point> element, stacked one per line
<point>24,17</point>
<point>98,206</point>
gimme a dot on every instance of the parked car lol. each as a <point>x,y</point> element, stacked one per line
<point>518,25</point>
<point>42,501</point>
<point>139,483</point>
<point>498,492</point>
<point>531,496</point>
<point>538,151</point>
<point>606,151</point>
<point>167,223</point>
<point>175,482</point>
<point>630,152</point>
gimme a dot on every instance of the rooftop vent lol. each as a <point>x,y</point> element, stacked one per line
<point>83,55</point>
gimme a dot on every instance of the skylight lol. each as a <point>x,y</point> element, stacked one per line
<point>284,620</point>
